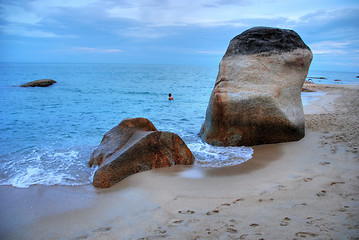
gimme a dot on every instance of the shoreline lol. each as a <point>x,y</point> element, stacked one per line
<point>304,189</point>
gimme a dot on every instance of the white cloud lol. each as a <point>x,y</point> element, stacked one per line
<point>94,50</point>
<point>45,4</point>
<point>330,47</point>
<point>178,13</point>
<point>207,12</point>
<point>16,14</point>
<point>206,52</point>
<point>328,51</point>
<point>24,20</point>
<point>143,32</point>
<point>19,30</point>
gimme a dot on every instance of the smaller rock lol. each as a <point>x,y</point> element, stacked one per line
<point>310,81</point>
<point>135,145</point>
<point>317,77</point>
<point>39,83</point>
<point>307,90</point>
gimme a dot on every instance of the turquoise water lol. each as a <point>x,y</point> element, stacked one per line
<point>48,134</point>
<point>331,77</point>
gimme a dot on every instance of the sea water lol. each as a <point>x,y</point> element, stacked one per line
<point>48,134</point>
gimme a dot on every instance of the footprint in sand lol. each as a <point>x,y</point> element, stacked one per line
<point>307,179</point>
<point>344,209</point>
<point>266,200</point>
<point>96,231</point>
<point>102,229</point>
<point>160,231</point>
<point>305,234</point>
<point>241,199</point>
<point>232,230</point>
<point>324,163</point>
<point>243,236</point>
<point>226,204</point>
<point>333,183</point>
<point>299,205</point>
<point>82,237</point>
<point>176,223</point>
<point>223,206</point>
<point>213,212</point>
<point>186,212</point>
<point>322,193</point>
<point>285,221</point>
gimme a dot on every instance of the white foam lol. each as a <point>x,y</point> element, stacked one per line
<point>192,173</point>
<point>22,180</point>
<point>94,168</point>
<point>213,156</point>
<point>70,154</point>
<point>308,97</point>
<point>36,166</point>
<point>46,167</point>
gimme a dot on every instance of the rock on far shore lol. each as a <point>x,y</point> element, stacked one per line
<point>257,95</point>
<point>39,83</point>
<point>135,145</point>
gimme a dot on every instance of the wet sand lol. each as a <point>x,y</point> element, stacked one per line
<point>299,190</point>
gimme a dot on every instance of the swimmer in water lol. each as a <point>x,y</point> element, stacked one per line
<point>170,96</point>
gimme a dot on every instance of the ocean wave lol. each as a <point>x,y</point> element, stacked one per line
<point>68,167</point>
<point>36,166</point>
<point>214,156</point>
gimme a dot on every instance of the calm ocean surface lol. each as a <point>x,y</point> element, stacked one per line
<point>48,134</point>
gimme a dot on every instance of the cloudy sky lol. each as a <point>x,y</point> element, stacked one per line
<point>170,31</point>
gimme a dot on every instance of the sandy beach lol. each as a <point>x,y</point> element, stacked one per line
<point>298,190</point>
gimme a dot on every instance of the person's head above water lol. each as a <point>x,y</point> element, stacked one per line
<point>170,96</point>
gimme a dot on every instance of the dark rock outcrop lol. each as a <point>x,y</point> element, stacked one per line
<point>265,40</point>
<point>257,95</point>
<point>134,146</point>
<point>39,83</point>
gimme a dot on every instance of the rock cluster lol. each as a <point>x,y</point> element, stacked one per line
<point>256,100</point>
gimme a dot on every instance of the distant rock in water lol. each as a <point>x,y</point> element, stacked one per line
<point>39,83</point>
<point>135,145</point>
<point>309,81</point>
<point>318,77</point>
<point>307,90</point>
<point>257,95</point>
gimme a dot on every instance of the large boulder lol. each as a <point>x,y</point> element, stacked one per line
<point>257,95</point>
<point>135,145</point>
<point>39,83</point>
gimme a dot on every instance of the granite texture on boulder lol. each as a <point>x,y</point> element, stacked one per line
<point>135,145</point>
<point>257,95</point>
<point>39,83</point>
<point>265,40</point>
